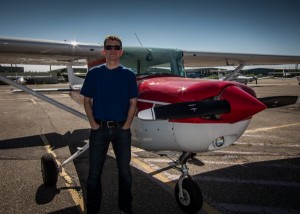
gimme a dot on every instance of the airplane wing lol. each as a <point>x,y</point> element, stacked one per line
<point>210,59</point>
<point>47,52</point>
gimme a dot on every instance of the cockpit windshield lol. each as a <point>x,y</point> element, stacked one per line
<point>153,61</point>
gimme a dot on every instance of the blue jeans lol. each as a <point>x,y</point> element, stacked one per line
<point>99,142</point>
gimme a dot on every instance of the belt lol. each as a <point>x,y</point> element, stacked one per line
<point>110,124</point>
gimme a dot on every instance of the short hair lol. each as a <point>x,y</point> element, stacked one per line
<point>112,37</point>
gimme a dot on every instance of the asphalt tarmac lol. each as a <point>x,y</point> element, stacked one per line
<point>257,174</point>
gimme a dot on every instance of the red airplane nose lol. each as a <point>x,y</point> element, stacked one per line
<point>242,104</point>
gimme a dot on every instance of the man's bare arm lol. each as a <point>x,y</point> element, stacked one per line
<point>87,102</point>
<point>131,113</point>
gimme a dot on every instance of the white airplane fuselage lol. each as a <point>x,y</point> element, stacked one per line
<point>162,135</point>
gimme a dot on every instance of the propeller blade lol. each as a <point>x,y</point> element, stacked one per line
<point>278,101</point>
<point>186,110</point>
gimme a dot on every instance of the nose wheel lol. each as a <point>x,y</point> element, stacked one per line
<point>187,193</point>
<point>49,170</point>
<point>190,198</point>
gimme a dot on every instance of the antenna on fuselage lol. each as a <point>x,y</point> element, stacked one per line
<point>138,39</point>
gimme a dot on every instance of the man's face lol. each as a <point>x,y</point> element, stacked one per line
<point>112,50</point>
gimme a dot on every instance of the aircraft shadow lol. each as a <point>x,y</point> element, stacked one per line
<point>272,184</point>
<point>22,142</point>
<point>56,140</point>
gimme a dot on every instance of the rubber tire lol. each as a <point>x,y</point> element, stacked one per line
<point>49,170</point>
<point>192,191</point>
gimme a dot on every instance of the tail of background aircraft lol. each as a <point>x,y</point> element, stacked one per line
<point>73,80</point>
<point>220,76</point>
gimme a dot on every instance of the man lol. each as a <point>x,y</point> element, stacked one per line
<point>110,100</point>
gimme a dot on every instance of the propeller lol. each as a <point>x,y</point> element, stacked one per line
<point>205,108</point>
<point>278,101</point>
<point>186,110</point>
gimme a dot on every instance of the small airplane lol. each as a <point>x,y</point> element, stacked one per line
<point>21,80</point>
<point>238,78</point>
<point>175,113</point>
<point>244,79</point>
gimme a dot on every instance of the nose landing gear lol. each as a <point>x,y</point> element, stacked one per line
<point>187,193</point>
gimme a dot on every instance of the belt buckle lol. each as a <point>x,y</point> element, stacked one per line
<point>110,124</point>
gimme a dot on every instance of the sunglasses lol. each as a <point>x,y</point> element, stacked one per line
<point>115,47</point>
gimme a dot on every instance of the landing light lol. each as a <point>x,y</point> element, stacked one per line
<point>219,142</point>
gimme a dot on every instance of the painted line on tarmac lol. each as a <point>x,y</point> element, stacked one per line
<point>14,99</point>
<point>145,167</point>
<point>249,153</point>
<point>237,208</point>
<point>174,177</point>
<point>32,100</point>
<point>230,163</point>
<point>270,128</point>
<point>244,181</point>
<point>267,144</point>
<point>77,198</point>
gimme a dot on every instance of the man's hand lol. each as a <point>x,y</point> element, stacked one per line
<point>95,126</point>
<point>126,126</point>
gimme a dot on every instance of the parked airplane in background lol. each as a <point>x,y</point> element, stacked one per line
<point>21,80</point>
<point>238,78</point>
<point>174,113</point>
<point>244,79</point>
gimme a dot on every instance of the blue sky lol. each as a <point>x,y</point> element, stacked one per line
<point>241,26</point>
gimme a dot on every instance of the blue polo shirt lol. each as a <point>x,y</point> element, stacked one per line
<point>111,91</point>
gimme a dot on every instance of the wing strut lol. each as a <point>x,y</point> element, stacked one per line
<point>43,97</point>
<point>55,103</point>
<point>237,70</point>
